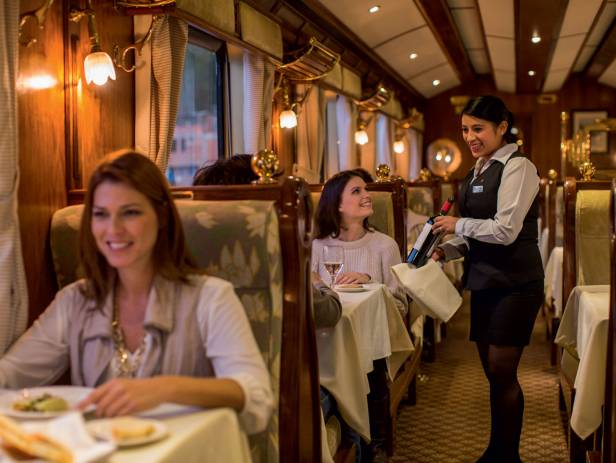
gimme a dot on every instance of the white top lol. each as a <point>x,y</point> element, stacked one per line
<point>375,254</point>
<point>202,330</point>
<point>518,188</point>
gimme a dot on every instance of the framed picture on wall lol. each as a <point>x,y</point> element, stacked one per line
<point>580,119</point>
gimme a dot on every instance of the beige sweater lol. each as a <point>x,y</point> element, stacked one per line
<point>373,254</point>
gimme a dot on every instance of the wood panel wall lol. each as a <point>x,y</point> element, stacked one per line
<point>101,119</point>
<point>540,122</point>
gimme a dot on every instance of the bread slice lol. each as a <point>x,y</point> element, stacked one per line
<point>128,428</point>
<point>35,445</point>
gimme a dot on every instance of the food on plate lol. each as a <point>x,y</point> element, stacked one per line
<point>42,403</point>
<point>128,428</point>
<point>14,437</point>
<point>350,285</point>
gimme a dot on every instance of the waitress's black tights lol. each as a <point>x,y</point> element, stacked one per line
<point>500,364</point>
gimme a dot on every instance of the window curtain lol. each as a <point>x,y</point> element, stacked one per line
<point>415,153</point>
<point>258,94</point>
<point>169,39</point>
<point>346,120</point>
<point>310,133</point>
<point>332,165</point>
<point>383,141</point>
<point>13,291</point>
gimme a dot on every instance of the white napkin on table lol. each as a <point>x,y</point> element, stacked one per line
<point>70,430</point>
<point>430,289</point>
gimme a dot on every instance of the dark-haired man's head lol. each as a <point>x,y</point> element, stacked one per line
<point>233,171</point>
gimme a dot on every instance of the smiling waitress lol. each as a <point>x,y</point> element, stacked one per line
<point>498,235</point>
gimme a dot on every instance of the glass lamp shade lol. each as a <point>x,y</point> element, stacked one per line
<point>288,119</point>
<point>361,137</point>
<point>399,147</point>
<point>99,67</point>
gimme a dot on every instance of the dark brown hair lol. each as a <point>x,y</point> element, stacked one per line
<point>328,217</point>
<point>171,259</point>
<point>492,109</point>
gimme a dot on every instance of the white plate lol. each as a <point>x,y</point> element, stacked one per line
<point>350,290</point>
<point>101,429</point>
<point>72,394</point>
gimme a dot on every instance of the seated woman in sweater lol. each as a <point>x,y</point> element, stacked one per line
<point>145,325</point>
<point>342,220</point>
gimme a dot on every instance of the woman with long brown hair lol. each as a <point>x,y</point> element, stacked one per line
<point>145,325</point>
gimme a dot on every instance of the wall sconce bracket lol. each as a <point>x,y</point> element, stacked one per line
<point>39,15</point>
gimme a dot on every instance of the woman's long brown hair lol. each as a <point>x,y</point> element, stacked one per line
<point>170,256</point>
<point>327,217</point>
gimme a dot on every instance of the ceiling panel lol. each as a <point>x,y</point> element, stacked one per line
<point>395,17</point>
<point>555,80</point>
<point>579,17</point>
<point>596,35</point>
<point>505,81</point>
<point>502,52</point>
<point>498,23</point>
<point>444,73</point>
<point>461,3</point>
<point>565,52</point>
<point>469,25</point>
<point>609,75</point>
<point>480,62</point>
<point>497,17</point>
<point>577,23</point>
<point>420,41</point>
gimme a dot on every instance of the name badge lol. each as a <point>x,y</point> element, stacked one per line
<point>477,188</point>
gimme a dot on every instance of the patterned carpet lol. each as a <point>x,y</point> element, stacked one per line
<point>451,421</point>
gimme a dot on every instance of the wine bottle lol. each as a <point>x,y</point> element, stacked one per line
<point>427,239</point>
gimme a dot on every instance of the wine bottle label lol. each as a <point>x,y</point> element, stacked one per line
<point>422,236</point>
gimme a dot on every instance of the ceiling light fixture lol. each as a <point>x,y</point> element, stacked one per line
<point>413,56</point>
<point>531,73</point>
<point>436,82</point>
<point>536,38</point>
<point>374,8</point>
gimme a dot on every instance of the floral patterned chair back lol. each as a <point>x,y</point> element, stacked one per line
<point>237,241</point>
<point>420,200</point>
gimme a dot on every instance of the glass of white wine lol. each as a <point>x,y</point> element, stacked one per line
<point>332,259</point>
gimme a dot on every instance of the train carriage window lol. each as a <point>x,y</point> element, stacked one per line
<point>200,125</point>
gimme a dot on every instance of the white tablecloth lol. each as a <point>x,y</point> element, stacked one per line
<point>195,436</point>
<point>370,328</point>
<point>584,327</point>
<point>553,283</point>
<point>543,244</point>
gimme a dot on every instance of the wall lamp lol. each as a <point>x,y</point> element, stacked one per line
<point>361,135</point>
<point>288,115</point>
<point>97,65</point>
<point>399,145</point>
<point>288,118</point>
<point>310,63</point>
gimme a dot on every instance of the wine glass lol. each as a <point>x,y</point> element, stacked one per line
<point>332,259</point>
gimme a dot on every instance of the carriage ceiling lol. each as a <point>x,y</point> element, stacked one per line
<point>435,45</point>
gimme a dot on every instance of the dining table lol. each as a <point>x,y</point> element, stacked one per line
<point>371,328</point>
<point>553,283</point>
<point>583,331</point>
<point>194,435</point>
